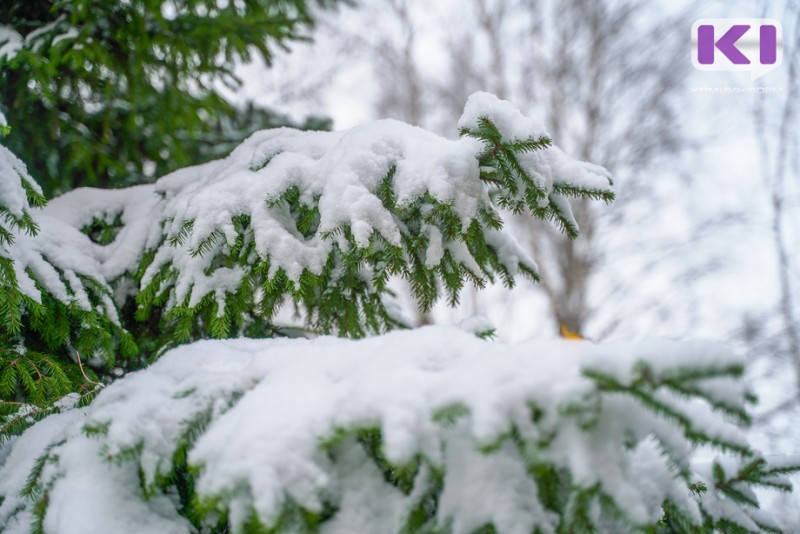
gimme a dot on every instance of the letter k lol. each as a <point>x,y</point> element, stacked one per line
<point>726,44</point>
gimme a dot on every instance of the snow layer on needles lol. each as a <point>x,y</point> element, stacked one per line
<point>340,171</point>
<point>273,402</point>
<point>59,257</point>
<point>10,44</point>
<point>337,172</point>
<point>12,174</point>
<point>508,119</point>
<point>548,167</point>
<point>138,209</point>
<point>553,167</point>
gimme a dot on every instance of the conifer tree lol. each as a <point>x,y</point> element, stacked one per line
<point>116,93</point>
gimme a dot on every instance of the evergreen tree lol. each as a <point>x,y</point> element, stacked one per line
<point>299,234</point>
<point>115,93</point>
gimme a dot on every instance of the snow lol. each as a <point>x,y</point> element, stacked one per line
<point>343,170</point>
<point>73,504</point>
<point>38,37</point>
<point>10,43</point>
<point>511,123</point>
<point>490,488</point>
<point>277,406</point>
<point>69,35</point>
<point>59,256</point>
<point>12,175</point>
<point>362,496</point>
<point>15,514</point>
<point>137,208</point>
<point>687,354</point>
<point>477,324</point>
<point>435,251</point>
<point>552,167</point>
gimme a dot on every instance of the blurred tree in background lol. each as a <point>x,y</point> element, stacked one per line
<point>114,93</point>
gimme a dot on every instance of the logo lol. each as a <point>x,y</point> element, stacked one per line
<point>754,45</point>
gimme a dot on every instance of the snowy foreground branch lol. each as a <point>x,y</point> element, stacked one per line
<point>431,430</point>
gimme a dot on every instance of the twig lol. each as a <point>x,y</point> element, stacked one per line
<point>80,365</point>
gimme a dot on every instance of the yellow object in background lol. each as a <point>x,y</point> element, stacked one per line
<point>569,334</point>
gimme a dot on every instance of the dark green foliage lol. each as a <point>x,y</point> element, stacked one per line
<point>30,384</point>
<point>103,232</point>
<point>51,350</point>
<point>115,93</point>
<point>400,476</point>
<point>339,299</point>
<point>450,415</point>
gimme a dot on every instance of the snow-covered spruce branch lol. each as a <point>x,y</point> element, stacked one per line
<point>316,220</point>
<point>323,219</point>
<point>431,430</point>
<point>326,219</point>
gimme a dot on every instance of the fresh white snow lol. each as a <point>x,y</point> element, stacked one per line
<point>10,42</point>
<point>273,403</point>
